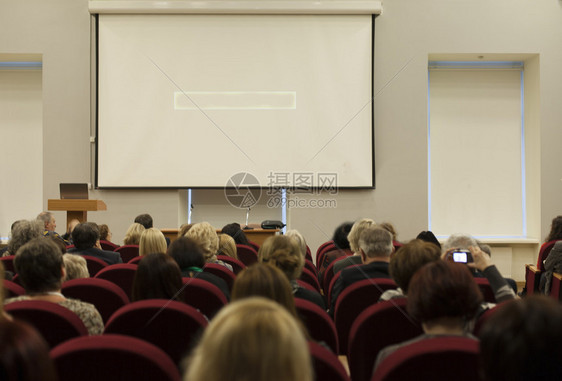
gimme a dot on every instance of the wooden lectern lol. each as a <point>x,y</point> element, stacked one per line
<point>76,209</point>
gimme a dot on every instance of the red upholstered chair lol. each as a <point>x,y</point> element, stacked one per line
<point>556,287</point>
<point>8,263</point>
<point>246,254</point>
<point>381,325</point>
<point>222,272</point>
<point>543,253</point>
<point>237,265</point>
<point>12,289</point>
<point>203,295</point>
<point>308,254</point>
<point>310,278</point>
<point>54,322</point>
<point>105,295</point>
<point>112,358</point>
<point>95,265</point>
<point>326,365</point>
<point>324,248</point>
<point>310,266</point>
<point>172,326</point>
<point>329,275</point>
<point>319,324</point>
<point>106,245</point>
<point>17,280</point>
<point>128,252</point>
<point>486,290</point>
<point>532,279</point>
<point>322,256</point>
<point>330,287</point>
<point>135,260</point>
<point>254,245</point>
<point>353,300</point>
<point>442,358</point>
<point>122,274</point>
<point>482,319</point>
<point>305,285</point>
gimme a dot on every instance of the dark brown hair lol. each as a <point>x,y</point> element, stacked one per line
<point>157,277</point>
<point>39,264</point>
<point>409,259</point>
<point>555,230</point>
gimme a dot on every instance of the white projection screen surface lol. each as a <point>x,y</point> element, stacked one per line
<point>190,100</point>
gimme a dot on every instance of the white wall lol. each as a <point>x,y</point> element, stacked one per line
<point>405,34</point>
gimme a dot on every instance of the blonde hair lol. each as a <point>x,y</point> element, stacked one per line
<point>206,237</point>
<point>152,241</point>
<point>75,266</point>
<point>283,253</point>
<point>299,239</point>
<point>227,246</point>
<point>254,339</point>
<point>132,237</point>
<point>355,232</point>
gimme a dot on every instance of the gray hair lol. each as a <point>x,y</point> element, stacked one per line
<point>375,241</point>
<point>458,241</point>
<point>355,232</point>
<point>24,231</point>
<point>45,217</point>
<point>299,239</point>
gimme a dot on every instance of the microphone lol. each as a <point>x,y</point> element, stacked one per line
<point>247,218</point>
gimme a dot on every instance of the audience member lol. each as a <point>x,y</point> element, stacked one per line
<point>105,233</point>
<point>555,233</point>
<point>375,248</point>
<point>521,341</point>
<point>50,224</point>
<point>299,239</point>
<point>14,224</point>
<point>206,237</point>
<point>342,249</point>
<point>133,234</point>
<point>145,220</point>
<point>443,297</point>
<point>428,236</point>
<point>71,225</point>
<point>284,253</point>
<point>227,246</point>
<point>252,340</point>
<point>23,231</point>
<point>3,314</point>
<point>235,231</point>
<point>86,237</point>
<point>189,257</point>
<point>24,354</point>
<point>184,228</point>
<point>552,264</point>
<point>40,266</point>
<point>152,241</point>
<point>390,228</point>
<point>353,238</point>
<point>157,277</point>
<point>76,267</point>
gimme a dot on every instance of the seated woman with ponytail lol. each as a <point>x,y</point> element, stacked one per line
<point>284,253</point>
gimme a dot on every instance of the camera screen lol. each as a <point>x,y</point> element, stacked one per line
<point>460,257</point>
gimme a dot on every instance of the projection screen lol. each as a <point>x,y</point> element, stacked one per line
<point>190,100</point>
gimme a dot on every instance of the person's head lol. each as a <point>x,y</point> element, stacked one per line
<point>521,341</point>
<point>283,253</point>
<point>71,225</point>
<point>157,277</point>
<point>355,233</point>
<point>152,241</point>
<point>40,266</point>
<point>105,233</point>
<point>2,294</point>
<point>388,227</point>
<point>458,241</point>
<point>409,259</point>
<point>428,236</point>
<point>206,236</point>
<point>340,235</point>
<point>24,354</point>
<point>262,279</point>
<point>299,239</point>
<point>145,220</point>
<point>227,246</point>
<point>555,229</point>
<point>184,228</point>
<point>85,235</point>
<point>252,340</point>
<point>187,253</point>
<point>235,231</point>
<point>23,232</point>
<point>375,242</point>
<point>75,266</point>
<point>442,292</point>
<point>133,234</point>
<point>48,220</point>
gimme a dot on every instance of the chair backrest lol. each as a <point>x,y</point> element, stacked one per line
<point>54,322</point>
<point>442,358</point>
<point>122,274</point>
<point>310,266</point>
<point>8,262</point>
<point>322,248</point>
<point>543,253</point>
<point>222,272</point>
<point>319,324</point>
<point>309,277</point>
<point>246,254</point>
<point>106,296</point>
<point>308,254</point>
<point>326,364</point>
<point>236,264</point>
<point>172,326</point>
<point>383,324</point>
<point>12,289</point>
<point>112,358</point>
<point>532,279</point>
<point>95,265</point>
<point>328,276</point>
<point>128,252</point>
<point>486,289</point>
<point>556,287</point>
<point>482,319</point>
<point>305,285</point>
<point>135,260</point>
<point>353,300</point>
<point>322,257</point>
<point>106,245</point>
<point>330,287</point>
<point>254,245</point>
<point>203,295</point>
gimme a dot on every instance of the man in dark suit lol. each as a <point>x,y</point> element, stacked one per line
<point>86,236</point>
<point>375,248</point>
